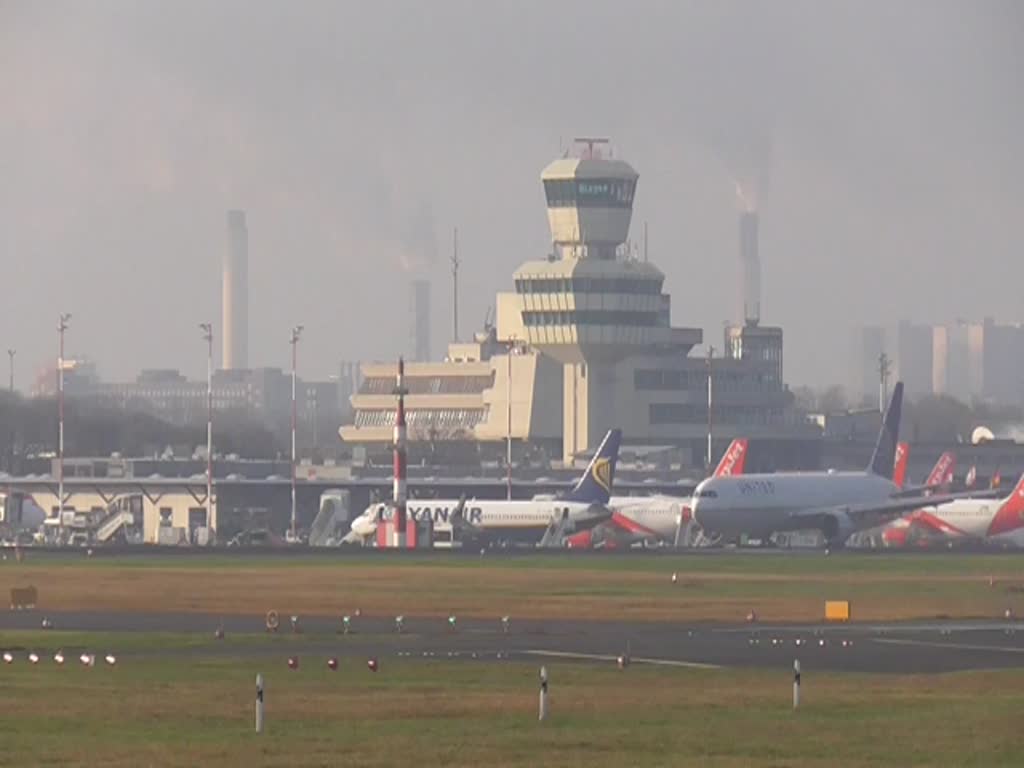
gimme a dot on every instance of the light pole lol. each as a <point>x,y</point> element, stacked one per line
<point>207,329</point>
<point>711,355</point>
<point>296,334</point>
<point>62,325</point>
<point>508,425</point>
<point>10,358</point>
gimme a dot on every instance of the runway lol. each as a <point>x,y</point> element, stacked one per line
<point>904,648</point>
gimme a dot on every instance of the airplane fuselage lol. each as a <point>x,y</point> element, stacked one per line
<point>502,517</point>
<point>759,505</point>
<point>648,517</point>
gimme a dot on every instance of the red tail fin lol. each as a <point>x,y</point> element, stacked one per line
<point>899,468</point>
<point>733,459</point>
<point>972,476</point>
<point>943,470</point>
<point>997,479</point>
<point>1011,514</point>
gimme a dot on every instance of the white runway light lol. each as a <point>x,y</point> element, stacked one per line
<point>33,658</point>
<point>259,703</point>
<point>543,709</point>
<point>58,657</point>
<point>796,683</point>
<point>8,658</point>
<point>110,659</point>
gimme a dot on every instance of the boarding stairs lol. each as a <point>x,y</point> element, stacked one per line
<point>558,530</point>
<point>112,523</point>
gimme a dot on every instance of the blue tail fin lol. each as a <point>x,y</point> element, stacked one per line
<point>595,487</point>
<point>883,458</point>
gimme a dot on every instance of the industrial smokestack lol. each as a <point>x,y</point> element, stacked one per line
<point>419,320</point>
<point>235,294</point>
<point>750,263</point>
<point>750,268</point>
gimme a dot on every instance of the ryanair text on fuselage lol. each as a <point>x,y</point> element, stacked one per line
<point>438,514</point>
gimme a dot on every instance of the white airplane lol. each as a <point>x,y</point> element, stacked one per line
<point>653,518</point>
<point>584,506</point>
<point>970,518</point>
<point>836,503</point>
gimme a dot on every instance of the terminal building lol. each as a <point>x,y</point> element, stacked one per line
<point>583,343</point>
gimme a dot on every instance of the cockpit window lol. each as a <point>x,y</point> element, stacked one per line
<point>707,493</point>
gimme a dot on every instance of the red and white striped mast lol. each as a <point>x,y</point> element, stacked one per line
<point>399,489</point>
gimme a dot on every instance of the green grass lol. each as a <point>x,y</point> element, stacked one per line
<point>184,709</point>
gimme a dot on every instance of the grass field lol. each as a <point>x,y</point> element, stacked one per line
<point>172,707</point>
<point>779,586</point>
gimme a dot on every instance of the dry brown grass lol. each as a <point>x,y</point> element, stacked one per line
<point>485,591</point>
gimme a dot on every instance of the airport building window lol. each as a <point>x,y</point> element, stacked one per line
<point>593,317</point>
<point>421,419</point>
<point>741,415</point>
<point>590,193</point>
<point>632,285</point>
<point>428,385</point>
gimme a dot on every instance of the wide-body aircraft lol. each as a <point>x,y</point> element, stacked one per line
<point>836,503</point>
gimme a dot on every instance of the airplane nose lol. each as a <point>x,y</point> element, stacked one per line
<point>703,514</point>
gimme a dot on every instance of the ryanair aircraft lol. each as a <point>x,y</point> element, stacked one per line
<point>583,507</point>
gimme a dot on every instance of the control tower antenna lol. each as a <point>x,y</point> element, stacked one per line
<point>590,143</point>
<point>455,285</point>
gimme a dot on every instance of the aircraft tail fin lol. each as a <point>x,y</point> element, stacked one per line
<point>1011,513</point>
<point>942,472</point>
<point>884,457</point>
<point>595,486</point>
<point>733,460</point>
<point>899,468</point>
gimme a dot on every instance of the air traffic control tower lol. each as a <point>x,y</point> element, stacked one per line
<point>593,303</point>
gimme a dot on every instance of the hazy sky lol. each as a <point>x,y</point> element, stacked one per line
<point>888,137</point>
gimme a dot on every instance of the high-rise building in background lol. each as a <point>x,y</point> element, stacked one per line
<point>914,358</point>
<point>965,360</point>
<point>868,346</point>
<point>419,320</point>
<point>235,295</point>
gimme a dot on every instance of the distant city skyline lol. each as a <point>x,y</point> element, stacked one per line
<point>885,145</point>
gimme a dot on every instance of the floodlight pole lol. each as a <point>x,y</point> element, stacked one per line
<point>207,329</point>
<point>62,326</point>
<point>296,334</point>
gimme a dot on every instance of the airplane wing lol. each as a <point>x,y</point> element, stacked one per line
<point>930,496</point>
<point>876,513</point>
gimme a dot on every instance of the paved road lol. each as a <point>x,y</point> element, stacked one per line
<point>893,648</point>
